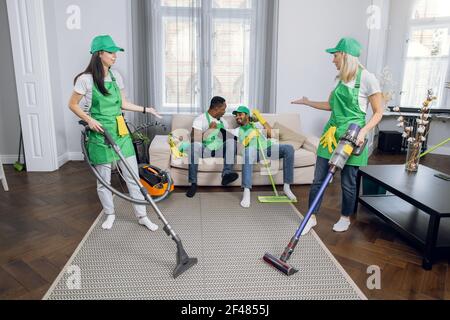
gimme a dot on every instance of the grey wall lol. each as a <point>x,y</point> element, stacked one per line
<point>398,31</point>
<point>306,29</point>
<point>9,106</point>
<point>69,55</point>
<point>55,79</point>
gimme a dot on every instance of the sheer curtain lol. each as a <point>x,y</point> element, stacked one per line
<point>422,74</point>
<point>428,51</point>
<point>174,42</point>
<point>197,49</point>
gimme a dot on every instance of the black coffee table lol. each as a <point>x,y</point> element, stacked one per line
<point>414,208</point>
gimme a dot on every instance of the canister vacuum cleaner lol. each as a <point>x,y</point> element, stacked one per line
<point>346,148</point>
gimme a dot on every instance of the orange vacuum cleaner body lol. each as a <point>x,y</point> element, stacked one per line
<point>154,180</point>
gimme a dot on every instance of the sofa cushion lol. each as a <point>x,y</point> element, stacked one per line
<point>288,136</point>
<point>304,158</point>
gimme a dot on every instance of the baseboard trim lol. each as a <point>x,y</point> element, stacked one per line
<point>69,156</point>
<point>62,159</point>
<point>10,159</point>
<point>76,156</point>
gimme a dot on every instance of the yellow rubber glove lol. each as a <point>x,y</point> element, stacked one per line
<point>258,116</point>
<point>328,140</point>
<point>250,137</point>
<point>174,149</point>
<point>122,127</point>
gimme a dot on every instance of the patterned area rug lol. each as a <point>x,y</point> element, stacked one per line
<point>131,262</point>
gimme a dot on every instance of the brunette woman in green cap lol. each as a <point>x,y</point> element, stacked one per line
<point>348,103</point>
<point>102,91</point>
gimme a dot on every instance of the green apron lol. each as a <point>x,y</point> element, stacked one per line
<point>246,130</point>
<point>214,141</point>
<point>105,109</point>
<point>345,109</point>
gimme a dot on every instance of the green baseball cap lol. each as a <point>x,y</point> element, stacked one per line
<point>241,109</point>
<point>347,45</point>
<point>104,43</point>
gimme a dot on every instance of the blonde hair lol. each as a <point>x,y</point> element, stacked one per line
<point>349,68</point>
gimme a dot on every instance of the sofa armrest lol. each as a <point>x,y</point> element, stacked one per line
<point>311,143</point>
<point>159,152</point>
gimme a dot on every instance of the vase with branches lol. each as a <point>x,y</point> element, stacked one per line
<point>417,135</point>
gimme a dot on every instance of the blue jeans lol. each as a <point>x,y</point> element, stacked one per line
<point>348,186</point>
<point>278,151</point>
<point>200,151</point>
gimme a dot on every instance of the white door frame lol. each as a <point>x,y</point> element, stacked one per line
<point>31,65</point>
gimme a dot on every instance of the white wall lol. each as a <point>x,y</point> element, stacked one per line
<point>9,105</point>
<point>69,55</point>
<point>306,29</point>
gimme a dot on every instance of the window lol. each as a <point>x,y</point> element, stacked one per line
<point>427,56</point>
<point>203,48</point>
<point>180,62</point>
<point>230,60</point>
<point>431,9</point>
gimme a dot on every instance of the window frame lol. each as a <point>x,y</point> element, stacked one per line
<point>205,18</point>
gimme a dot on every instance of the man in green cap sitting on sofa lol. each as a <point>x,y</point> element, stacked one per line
<point>210,140</point>
<point>250,134</point>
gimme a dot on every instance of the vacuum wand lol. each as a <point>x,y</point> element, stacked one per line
<point>347,147</point>
<point>184,262</point>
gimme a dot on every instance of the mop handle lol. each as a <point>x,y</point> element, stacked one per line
<point>313,205</point>
<point>267,166</point>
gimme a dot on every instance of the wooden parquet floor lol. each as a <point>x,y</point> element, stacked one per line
<point>45,216</point>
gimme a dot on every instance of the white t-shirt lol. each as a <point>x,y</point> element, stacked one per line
<point>84,86</point>
<point>201,122</point>
<point>369,86</point>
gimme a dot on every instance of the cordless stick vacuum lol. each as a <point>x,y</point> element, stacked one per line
<point>184,262</point>
<point>346,148</point>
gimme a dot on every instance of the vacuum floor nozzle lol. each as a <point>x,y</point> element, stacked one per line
<point>184,262</point>
<point>184,266</point>
<point>282,266</point>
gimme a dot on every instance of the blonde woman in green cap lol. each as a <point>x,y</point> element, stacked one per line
<point>356,88</point>
<point>102,91</point>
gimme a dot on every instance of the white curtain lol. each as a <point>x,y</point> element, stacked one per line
<point>422,74</point>
<point>198,49</point>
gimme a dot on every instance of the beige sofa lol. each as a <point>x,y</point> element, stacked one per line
<point>209,173</point>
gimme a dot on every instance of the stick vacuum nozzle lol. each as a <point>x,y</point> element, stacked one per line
<point>282,266</point>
